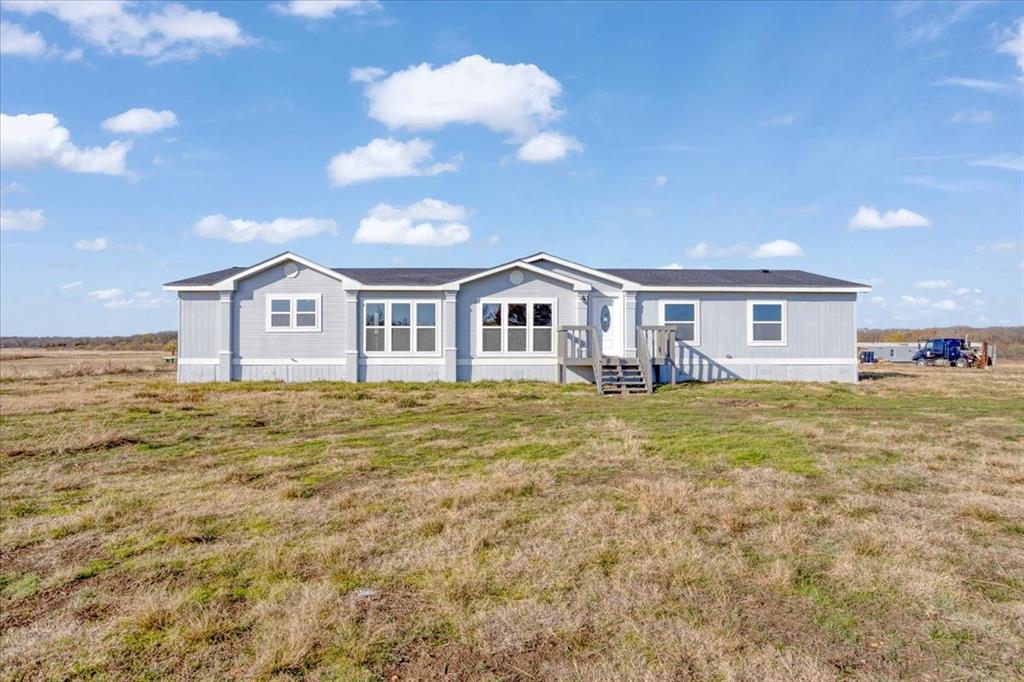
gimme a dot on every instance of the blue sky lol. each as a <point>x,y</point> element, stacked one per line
<point>876,142</point>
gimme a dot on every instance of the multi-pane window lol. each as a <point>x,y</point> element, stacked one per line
<point>685,317</point>
<point>293,312</point>
<point>516,326</point>
<point>767,323</point>
<point>399,327</point>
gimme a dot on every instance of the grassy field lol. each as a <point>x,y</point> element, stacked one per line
<point>509,531</point>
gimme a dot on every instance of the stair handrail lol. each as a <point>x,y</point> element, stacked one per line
<point>662,339</point>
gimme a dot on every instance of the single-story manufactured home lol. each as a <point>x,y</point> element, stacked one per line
<point>540,317</point>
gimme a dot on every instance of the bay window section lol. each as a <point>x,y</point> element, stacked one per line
<point>490,335</point>
<point>426,327</point>
<point>516,327</point>
<point>399,327</point>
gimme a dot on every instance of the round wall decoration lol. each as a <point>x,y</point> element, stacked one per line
<point>516,277</point>
<point>291,270</point>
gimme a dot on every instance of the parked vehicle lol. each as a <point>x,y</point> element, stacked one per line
<point>952,352</point>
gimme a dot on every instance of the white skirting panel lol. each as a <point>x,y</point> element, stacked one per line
<point>491,372</point>
<point>288,372</point>
<point>419,372</point>
<point>196,374</point>
<point>705,369</point>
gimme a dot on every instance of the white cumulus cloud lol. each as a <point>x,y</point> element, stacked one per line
<point>16,41</point>
<point>28,141</point>
<point>868,218</point>
<point>141,121</point>
<point>548,146</point>
<point>780,248</point>
<point>945,304</point>
<point>512,98</point>
<point>915,300</point>
<point>998,247</point>
<point>106,294</point>
<point>672,266</point>
<point>933,284</point>
<point>324,9</point>
<point>25,219</point>
<point>98,244</point>
<point>386,158</point>
<point>660,181</point>
<point>140,300</point>
<point>70,286</point>
<point>428,222</point>
<point>1013,43</point>
<point>276,231</point>
<point>155,31</point>
<point>703,250</point>
<point>365,74</point>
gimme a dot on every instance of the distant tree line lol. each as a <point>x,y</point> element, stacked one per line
<point>1009,340</point>
<point>149,341</point>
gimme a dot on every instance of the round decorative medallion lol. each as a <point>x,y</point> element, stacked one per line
<point>291,270</point>
<point>606,318</point>
<point>516,277</point>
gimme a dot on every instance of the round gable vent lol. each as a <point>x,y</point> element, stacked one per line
<point>291,270</point>
<point>516,277</point>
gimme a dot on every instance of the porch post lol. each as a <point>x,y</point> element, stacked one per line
<point>629,326</point>
<point>223,372</point>
<point>449,346</point>
<point>352,336</point>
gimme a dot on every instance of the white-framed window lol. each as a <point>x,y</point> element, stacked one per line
<point>399,327</point>
<point>517,326</point>
<point>685,317</point>
<point>766,323</point>
<point>293,312</point>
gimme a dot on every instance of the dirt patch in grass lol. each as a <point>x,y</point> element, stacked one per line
<point>511,531</point>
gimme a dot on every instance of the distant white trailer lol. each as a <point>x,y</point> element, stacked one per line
<point>891,352</point>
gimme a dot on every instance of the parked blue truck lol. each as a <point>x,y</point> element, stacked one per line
<point>949,353</point>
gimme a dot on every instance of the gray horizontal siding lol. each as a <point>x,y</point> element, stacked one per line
<point>603,285</point>
<point>499,286</point>
<point>509,372</point>
<point>197,324</point>
<point>818,325</point>
<point>248,319</point>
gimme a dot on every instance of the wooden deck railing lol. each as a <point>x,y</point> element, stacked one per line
<point>578,345</point>
<point>659,342</point>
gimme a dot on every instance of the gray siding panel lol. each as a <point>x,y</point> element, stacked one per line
<point>249,336</point>
<point>818,325</point>
<point>603,285</point>
<point>197,330</point>
<point>499,286</point>
<point>509,372</point>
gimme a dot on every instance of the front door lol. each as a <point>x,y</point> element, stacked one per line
<point>604,315</point>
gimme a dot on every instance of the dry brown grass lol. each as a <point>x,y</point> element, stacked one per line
<point>513,531</point>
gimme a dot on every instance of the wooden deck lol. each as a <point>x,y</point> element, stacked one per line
<point>579,346</point>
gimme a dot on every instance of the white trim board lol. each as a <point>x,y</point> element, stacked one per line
<point>509,360</point>
<point>197,361</point>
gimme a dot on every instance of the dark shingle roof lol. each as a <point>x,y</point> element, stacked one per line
<point>644,276</point>
<point>206,279</point>
<point>727,278</point>
<point>407,276</point>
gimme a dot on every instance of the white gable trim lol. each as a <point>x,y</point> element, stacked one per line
<point>231,283</point>
<point>522,265</point>
<point>582,268</point>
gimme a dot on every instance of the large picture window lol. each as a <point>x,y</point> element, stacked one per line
<point>399,327</point>
<point>293,312</point>
<point>685,317</point>
<point>766,323</point>
<point>519,327</point>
